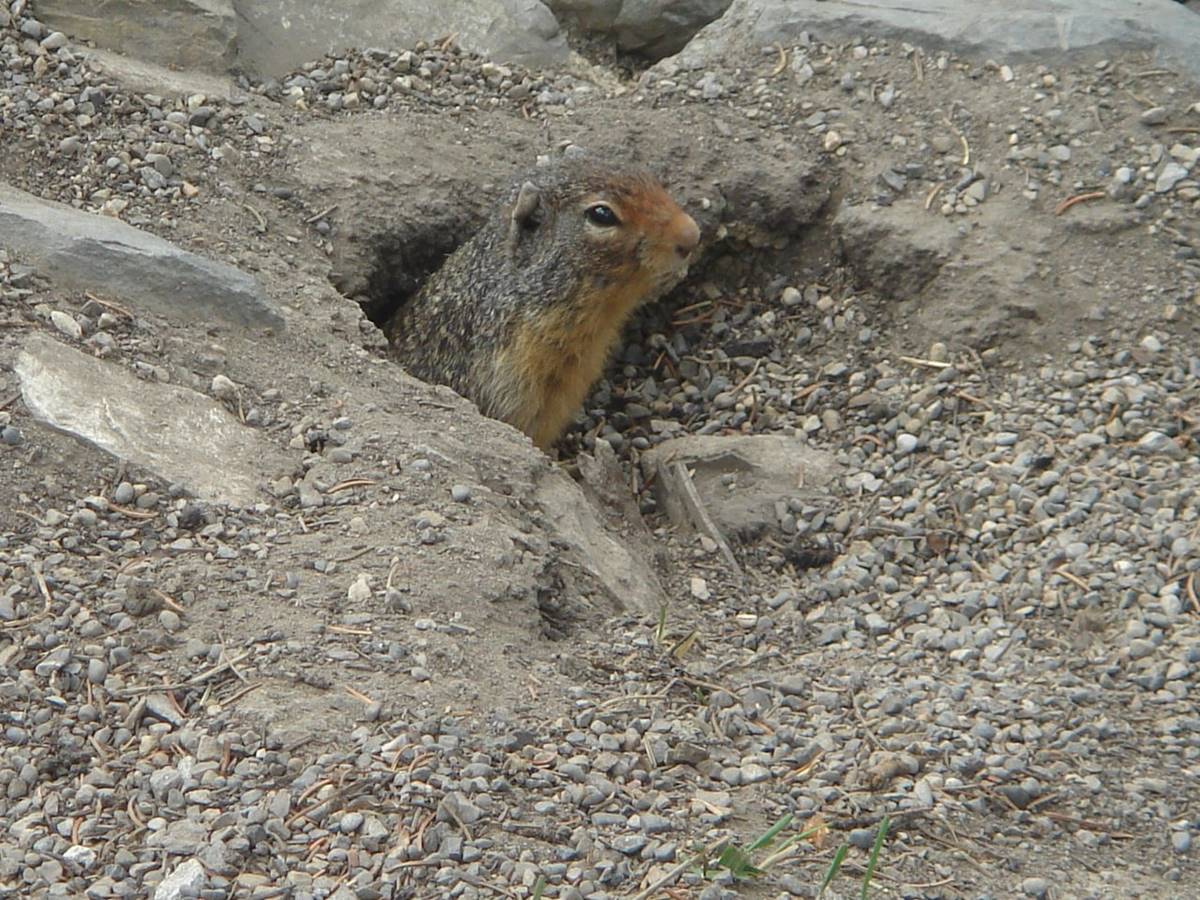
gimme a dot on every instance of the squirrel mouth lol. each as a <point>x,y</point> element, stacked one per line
<point>672,277</point>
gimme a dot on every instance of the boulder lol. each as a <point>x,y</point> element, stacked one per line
<point>179,435</point>
<point>89,252</point>
<point>144,77</point>
<point>276,36</point>
<point>1005,29</point>
<point>183,34</point>
<point>739,479</point>
<point>272,37</point>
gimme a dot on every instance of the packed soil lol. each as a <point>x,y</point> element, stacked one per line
<point>967,282</point>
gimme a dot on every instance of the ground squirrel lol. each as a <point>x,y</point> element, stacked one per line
<point>522,318</point>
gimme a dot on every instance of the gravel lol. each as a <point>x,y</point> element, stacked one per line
<point>1002,642</point>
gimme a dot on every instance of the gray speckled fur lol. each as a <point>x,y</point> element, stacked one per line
<point>451,331</point>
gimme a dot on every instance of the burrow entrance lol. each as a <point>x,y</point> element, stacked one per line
<point>746,317</point>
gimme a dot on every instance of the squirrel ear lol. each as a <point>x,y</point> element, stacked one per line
<point>525,210</point>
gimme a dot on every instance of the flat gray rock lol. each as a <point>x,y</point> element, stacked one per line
<point>1009,28</point>
<point>275,36</point>
<point>185,34</point>
<point>896,251</point>
<point>740,478</point>
<point>97,253</point>
<point>183,881</point>
<point>148,77</point>
<point>178,434</point>
<point>628,579</point>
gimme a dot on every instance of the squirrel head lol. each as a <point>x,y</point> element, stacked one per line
<point>609,223</point>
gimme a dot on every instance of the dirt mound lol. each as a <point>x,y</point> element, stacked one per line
<point>889,511</point>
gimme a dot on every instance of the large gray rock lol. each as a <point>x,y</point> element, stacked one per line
<point>653,28</point>
<point>89,252</point>
<point>146,77</point>
<point>999,27</point>
<point>178,434</point>
<point>275,36</point>
<point>739,479</point>
<point>626,576</point>
<point>186,34</point>
<point>272,37</point>
<point>893,249</point>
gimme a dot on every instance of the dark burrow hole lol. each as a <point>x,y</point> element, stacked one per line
<point>700,338</point>
<point>676,356</point>
<point>400,263</point>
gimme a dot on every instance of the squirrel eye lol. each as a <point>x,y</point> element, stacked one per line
<point>602,215</point>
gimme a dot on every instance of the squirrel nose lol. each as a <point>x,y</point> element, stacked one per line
<point>687,237</point>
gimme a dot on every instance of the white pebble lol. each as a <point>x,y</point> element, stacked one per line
<point>66,324</point>
<point>223,388</point>
<point>360,590</point>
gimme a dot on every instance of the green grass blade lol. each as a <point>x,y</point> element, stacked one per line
<point>783,848</point>
<point>834,866</point>
<point>738,862</point>
<point>539,887</point>
<point>770,834</point>
<point>874,860</point>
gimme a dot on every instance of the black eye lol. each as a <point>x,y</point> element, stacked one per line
<point>602,215</point>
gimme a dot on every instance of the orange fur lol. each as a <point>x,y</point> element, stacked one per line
<point>559,357</point>
<point>540,380</point>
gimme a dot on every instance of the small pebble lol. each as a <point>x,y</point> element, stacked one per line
<point>66,324</point>
<point>1155,115</point>
<point>1035,887</point>
<point>223,388</point>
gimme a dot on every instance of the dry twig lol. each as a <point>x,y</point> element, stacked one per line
<point>313,219</point>
<point>262,223</point>
<point>45,589</point>
<point>927,363</point>
<point>1078,198</point>
<point>783,61</point>
<point>351,483</point>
